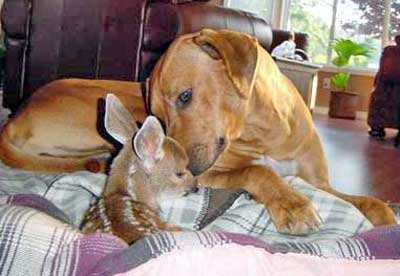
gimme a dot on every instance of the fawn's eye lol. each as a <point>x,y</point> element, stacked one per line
<point>180,174</point>
<point>184,98</point>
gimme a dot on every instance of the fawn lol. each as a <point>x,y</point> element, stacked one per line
<point>150,166</point>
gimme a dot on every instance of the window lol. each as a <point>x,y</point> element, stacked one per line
<point>360,20</point>
<point>264,8</point>
<point>394,28</point>
<point>364,24</point>
<point>312,17</point>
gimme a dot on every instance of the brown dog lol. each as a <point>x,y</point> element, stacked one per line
<point>224,100</point>
<point>234,107</point>
<point>57,130</point>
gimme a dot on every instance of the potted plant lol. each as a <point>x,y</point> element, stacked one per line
<point>343,103</point>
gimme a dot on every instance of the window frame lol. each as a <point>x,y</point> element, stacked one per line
<point>274,8</point>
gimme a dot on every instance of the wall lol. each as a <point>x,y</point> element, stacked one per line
<point>361,84</point>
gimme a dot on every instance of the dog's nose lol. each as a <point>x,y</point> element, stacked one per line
<point>221,143</point>
<point>191,190</point>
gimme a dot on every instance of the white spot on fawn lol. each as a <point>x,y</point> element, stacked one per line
<point>128,213</point>
<point>104,218</point>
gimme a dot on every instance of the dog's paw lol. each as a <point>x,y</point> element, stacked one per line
<point>377,212</point>
<point>295,215</point>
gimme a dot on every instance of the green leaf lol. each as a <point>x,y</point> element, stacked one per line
<point>346,48</point>
<point>340,80</point>
<point>340,61</point>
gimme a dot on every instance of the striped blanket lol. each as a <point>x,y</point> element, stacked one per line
<point>39,215</point>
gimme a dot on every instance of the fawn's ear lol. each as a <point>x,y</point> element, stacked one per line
<point>148,142</point>
<point>118,122</point>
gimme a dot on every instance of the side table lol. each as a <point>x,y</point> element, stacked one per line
<point>304,75</point>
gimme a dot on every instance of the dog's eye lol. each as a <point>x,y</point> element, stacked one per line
<point>180,174</point>
<point>184,98</point>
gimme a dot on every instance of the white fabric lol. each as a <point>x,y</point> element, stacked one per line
<point>233,259</point>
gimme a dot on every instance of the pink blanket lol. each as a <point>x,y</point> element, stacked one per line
<point>233,259</point>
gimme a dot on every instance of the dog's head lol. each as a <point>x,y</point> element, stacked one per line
<point>201,89</point>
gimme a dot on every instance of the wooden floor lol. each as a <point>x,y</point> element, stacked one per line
<point>357,164</point>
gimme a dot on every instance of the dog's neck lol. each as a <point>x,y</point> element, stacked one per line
<point>273,98</point>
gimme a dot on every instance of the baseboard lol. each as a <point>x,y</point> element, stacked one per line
<point>323,110</point>
<point>361,115</point>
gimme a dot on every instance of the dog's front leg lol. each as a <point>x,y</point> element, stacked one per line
<point>291,212</point>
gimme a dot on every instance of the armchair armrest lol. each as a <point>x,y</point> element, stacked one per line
<point>302,53</point>
<point>15,19</point>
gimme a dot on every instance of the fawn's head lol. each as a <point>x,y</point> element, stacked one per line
<point>156,163</point>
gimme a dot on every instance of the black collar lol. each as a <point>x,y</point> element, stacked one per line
<point>146,95</point>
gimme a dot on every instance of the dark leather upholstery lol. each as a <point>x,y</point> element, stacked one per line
<point>384,104</point>
<point>15,26</point>
<point>110,39</point>
<point>51,39</point>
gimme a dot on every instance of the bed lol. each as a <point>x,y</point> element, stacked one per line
<point>228,233</point>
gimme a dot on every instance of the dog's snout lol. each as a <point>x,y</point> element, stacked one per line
<point>203,156</point>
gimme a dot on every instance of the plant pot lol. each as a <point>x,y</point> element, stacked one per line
<point>343,104</point>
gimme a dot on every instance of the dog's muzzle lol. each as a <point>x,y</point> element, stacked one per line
<point>200,157</point>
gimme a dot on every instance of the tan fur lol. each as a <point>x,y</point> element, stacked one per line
<point>57,129</point>
<point>242,96</point>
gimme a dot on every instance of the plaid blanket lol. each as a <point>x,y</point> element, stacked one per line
<point>38,231</point>
<point>72,193</point>
<point>34,240</point>
<point>208,209</point>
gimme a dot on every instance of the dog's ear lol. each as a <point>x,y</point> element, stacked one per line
<point>148,142</point>
<point>118,122</point>
<point>239,52</point>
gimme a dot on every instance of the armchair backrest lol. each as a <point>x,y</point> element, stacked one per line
<point>389,68</point>
<point>108,39</point>
<point>52,39</point>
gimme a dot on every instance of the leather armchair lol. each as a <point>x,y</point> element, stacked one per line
<point>301,40</point>
<point>51,39</point>
<point>110,39</point>
<point>384,107</point>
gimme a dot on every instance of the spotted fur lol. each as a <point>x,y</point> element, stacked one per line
<point>125,217</point>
